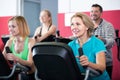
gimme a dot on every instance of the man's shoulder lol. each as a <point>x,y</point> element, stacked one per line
<point>107,22</point>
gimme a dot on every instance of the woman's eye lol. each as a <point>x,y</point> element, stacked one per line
<point>72,24</point>
<point>77,24</point>
<point>13,26</point>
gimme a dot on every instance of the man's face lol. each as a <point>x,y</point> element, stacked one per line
<point>95,13</point>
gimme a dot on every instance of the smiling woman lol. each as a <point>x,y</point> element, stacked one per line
<point>93,49</point>
<point>20,44</point>
<point>47,31</point>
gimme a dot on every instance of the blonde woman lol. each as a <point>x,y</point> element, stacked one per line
<point>47,31</point>
<point>19,43</point>
<point>93,48</point>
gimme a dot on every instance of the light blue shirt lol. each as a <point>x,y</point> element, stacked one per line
<point>91,48</point>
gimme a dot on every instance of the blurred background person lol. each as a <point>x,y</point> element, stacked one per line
<point>47,31</point>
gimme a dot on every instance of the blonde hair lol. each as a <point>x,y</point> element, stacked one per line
<point>22,25</point>
<point>49,15</point>
<point>86,21</point>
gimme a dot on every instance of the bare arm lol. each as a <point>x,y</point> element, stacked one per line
<point>12,57</point>
<point>8,43</point>
<point>100,62</point>
<point>37,31</point>
<point>51,31</point>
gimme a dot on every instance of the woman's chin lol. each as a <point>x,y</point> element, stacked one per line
<point>76,35</point>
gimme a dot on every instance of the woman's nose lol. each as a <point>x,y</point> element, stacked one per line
<point>9,29</point>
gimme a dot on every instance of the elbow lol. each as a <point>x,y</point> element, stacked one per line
<point>102,68</point>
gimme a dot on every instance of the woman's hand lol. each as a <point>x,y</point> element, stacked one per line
<point>11,57</point>
<point>84,60</point>
<point>38,39</point>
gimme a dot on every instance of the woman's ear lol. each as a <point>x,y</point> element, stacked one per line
<point>87,28</point>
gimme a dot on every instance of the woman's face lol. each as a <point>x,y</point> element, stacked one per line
<point>13,28</point>
<point>78,28</point>
<point>44,17</point>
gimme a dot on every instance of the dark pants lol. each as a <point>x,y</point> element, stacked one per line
<point>27,76</point>
<point>109,70</point>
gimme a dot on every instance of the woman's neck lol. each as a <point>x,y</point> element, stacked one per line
<point>46,24</point>
<point>82,40</point>
<point>19,39</point>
